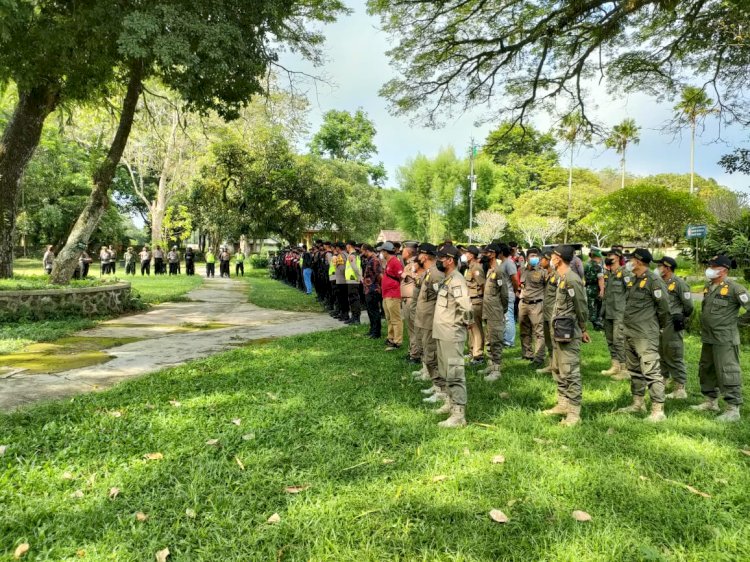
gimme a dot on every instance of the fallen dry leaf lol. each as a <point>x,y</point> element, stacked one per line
<point>439,478</point>
<point>140,516</point>
<point>498,459</point>
<point>272,396</point>
<point>239,463</point>
<point>388,461</point>
<point>116,414</point>
<point>466,451</point>
<point>81,553</point>
<point>175,403</point>
<point>511,503</point>
<point>498,516</point>
<point>275,518</point>
<point>190,513</point>
<point>564,448</point>
<point>698,492</point>
<point>22,549</point>
<point>581,516</point>
<point>77,494</point>
<point>91,480</point>
<point>295,489</point>
<point>644,478</point>
<point>153,456</point>
<point>3,448</point>
<point>149,406</point>
<point>721,480</point>
<point>542,441</point>
<point>745,452</point>
<point>504,395</point>
<point>212,442</point>
<point>114,492</point>
<point>162,555</point>
<point>248,437</point>
<point>67,475</point>
<point>611,431</point>
<point>237,421</point>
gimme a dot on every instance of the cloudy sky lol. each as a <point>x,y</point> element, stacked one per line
<point>357,67</point>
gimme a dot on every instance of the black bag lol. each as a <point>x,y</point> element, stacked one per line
<point>678,321</point>
<point>563,329</point>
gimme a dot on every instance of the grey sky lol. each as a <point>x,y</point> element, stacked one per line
<point>357,66</point>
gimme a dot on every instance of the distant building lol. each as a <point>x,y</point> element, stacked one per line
<point>319,231</point>
<point>390,235</point>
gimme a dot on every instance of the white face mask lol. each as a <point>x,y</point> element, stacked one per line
<point>712,274</point>
<point>629,266</point>
<point>464,259</point>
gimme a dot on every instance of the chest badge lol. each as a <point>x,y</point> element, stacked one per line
<point>619,274</point>
<point>562,284</point>
<point>724,291</point>
<point>672,286</point>
<point>642,284</point>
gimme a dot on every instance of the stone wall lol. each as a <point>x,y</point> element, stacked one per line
<point>60,303</point>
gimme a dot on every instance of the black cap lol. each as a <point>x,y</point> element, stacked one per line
<point>427,248</point>
<point>615,251</point>
<point>351,243</point>
<point>449,251</point>
<point>547,252</point>
<point>720,261</point>
<point>474,250</point>
<point>341,245</point>
<point>492,248</point>
<point>642,254</point>
<point>412,244</point>
<point>533,250</point>
<point>671,262</point>
<point>565,252</point>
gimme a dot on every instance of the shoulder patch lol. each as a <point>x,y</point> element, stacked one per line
<point>435,286</point>
<point>687,295</point>
<point>572,292</point>
<point>743,298</point>
<point>657,293</point>
<point>457,292</point>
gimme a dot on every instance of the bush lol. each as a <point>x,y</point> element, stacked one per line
<point>259,262</point>
<point>694,325</point>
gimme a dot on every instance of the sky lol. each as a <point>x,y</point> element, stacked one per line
<point>357,67</point>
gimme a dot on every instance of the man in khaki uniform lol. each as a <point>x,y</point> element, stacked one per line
<point>671,344</point>
<point>550,294</point>
<point>409,256</point>
<point>531,309</point>
<point>475,280</point>
<point>646,314</point>
<point>719,367</point>
<point>494,304</point>
<point>569,317</point>
<point>422,374</point>
<point>423,319</point>
<point>453,315</point>
<point>613,311</point>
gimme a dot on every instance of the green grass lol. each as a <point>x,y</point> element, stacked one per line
<point>163,288</point>
<point>18,335</point>
<point>269,293</point>
<point>330,411</point>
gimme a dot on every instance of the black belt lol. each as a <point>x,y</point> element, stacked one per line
<point>532,302</point>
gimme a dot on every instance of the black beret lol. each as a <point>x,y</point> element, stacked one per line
<point>449,251</point>
<point>671,262</point>
<point>720,261</point>
<point>565,252</point>
<point>642,254</point>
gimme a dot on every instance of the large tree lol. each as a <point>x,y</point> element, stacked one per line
<point>460,54</point>
<point>215,54</point>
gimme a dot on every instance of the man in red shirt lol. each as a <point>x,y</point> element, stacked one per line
<point>391,287</point>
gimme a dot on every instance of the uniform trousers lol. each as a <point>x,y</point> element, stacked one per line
<point>392,308</point>
<point>566,369</point>
<point>531,321</point>
<point>672,352</point>
<point>614,331</point>
<point>642,361</point>
<point>719,371</point>
<point>451,367</point>
<point>476,332</point>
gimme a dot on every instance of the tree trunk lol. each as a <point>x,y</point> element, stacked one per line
<point>17,145</point>
<point>159,208</point>
<point>79,236</point>
<point>570,193</point>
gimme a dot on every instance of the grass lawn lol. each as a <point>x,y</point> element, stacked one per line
<point>336,417</point>
<point>269,293</point>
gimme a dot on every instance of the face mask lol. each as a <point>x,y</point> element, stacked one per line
<point>659,271</point>
<point>440,266</point>
<point>485,259</point>
<point>555,263</point>
<point>382,256</point>
<point>629,266</point>
<point>464,259</point>
<point>533,262</point>
<point>609,261</point>
<point>712,274</point>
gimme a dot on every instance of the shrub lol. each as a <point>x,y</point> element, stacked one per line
<point>259,262</point>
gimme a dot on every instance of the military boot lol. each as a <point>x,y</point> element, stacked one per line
<point>636,407</point>
<point>560,409</point>
<point>418,374</point>
<point>446,408</point>
<point>708,405</point>
<point>678,393</point>
<point>732,414</point>
<point>573,416</point>
<point>457,419</point>
<point>622,375</point>
<point>432,390</point>
<point>438,396</point>
<point>487,370</point>
<point>544,370</point>
<point>493,375</point>
<point>613,370</point>
<point>657,413</point>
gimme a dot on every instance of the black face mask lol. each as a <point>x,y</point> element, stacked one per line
<point>440,266</point>
<point>485,259</point>
<point>609,261</point>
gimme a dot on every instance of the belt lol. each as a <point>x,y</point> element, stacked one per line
<point>532,302</point>
<point>404,299</point>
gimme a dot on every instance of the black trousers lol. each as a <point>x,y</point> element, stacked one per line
<point>239,269</point>
<point>224,268</point>
<point>342,296</point>
<point>158,266</point>
<point>145,268</point>
<point>355,305</point>
<point>332,296</point>
<point>373,301</point>
<point>189,267</point>
<point>130,268</point>
<point>210,269</point>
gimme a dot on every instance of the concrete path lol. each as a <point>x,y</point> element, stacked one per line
<point>166,342</point>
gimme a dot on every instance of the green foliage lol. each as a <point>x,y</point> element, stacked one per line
<point>16,335</point>
<point>508,143</point>
<point>731,238</point>
<point>259,262</point>
<point>269,293</point>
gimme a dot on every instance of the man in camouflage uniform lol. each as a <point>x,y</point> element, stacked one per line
<point>423,320</point>
<point>671,345</point>
<point>568,331</point>
<point>593,273</point>
<point>475,280</point>
<point>531,309</point>
<point>613,310</point>
<point>646,314</point>
<point>453,314</point>
<point>409,256</point>
<point>551,279</point>
<point>719,367</point>
<point>494,304</point>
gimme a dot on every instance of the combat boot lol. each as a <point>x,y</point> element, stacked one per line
<point>708,405</point>
<point>438,396</point>
<point>573,416</point>
<point>732,414</point>
<point>493,375</point>
<point>457,419</point>
<point>678,393</point>
<point>487,370</point>
<point>622,375</point>
<point>657,413</point>
<point>544,370</point>
<point>418,374</point>
<point>636,407</point>
<point>446,408</point>
<point>561,408</point>
<point>613,370</point>
<point>432,390</point>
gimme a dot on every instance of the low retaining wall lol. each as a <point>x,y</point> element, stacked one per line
<point>57,303</point>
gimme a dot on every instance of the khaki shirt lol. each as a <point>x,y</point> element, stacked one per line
<point>495,295</point>
<point>551,279</point>
<point>532,284</point>
<point>408,278</point>
<point>646,307</point>
<point>570,301</point>
<point>721,303</point>
<point>428,293</point>
<point>475,280</point>
<point>415,295</point>
<point>453,311</point>
<point>679,296</point>
<point>615,286</point>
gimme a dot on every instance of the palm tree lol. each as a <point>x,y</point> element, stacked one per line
<point>623,135</point>
<point>693,108</point>
<point>572,131</point>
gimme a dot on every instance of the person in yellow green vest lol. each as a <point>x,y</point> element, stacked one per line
<point>353,274</point>
<point>210,262</point>
<point>239,264</point>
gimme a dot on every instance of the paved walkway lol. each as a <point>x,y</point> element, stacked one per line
<point>165,343</point>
